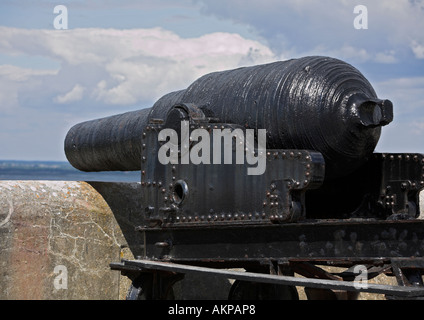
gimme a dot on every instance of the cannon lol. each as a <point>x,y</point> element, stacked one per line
<point>322,120</point>
<point>256,157</point>
<point>312,103</point>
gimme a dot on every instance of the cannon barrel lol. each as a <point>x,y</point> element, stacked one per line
<point>107,144</point>
<point>315,103</point>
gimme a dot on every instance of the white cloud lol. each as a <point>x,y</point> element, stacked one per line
<point>75,94</point>
<point>405,133</point>
<point>124,67</point>
<point>14,80</point>
<point>302,26</point>
<point>349,52</point>
<point>99,72</point>
<point>353,54</point>
<point>407,94</point>
<point>417,49</point>
<point>386,57</point>
<point>418,127</point>
<point>18,74</point>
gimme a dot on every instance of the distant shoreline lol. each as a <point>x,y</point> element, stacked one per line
<point>59,170</point>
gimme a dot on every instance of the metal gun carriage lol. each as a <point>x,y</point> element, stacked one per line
<point>324,197</point>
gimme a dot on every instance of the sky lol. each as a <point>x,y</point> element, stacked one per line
<point>100,58</point>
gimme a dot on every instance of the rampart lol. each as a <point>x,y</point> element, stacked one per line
<point>57,239</point>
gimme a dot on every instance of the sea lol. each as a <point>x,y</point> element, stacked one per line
<point>62,171</point>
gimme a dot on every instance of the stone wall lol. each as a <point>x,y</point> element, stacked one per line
<point>57,239</point>
<point>422,204</point>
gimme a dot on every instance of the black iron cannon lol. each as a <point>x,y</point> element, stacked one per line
<point>227,163</point>
<point>312,103</point>
<point>322,120</point>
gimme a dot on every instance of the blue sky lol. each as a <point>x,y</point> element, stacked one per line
<point>118,56</point>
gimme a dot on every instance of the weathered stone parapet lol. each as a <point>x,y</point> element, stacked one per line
<point>422,204</point>
<point>57,238</point>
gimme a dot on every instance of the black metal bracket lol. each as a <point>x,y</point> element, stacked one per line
<point>181,194</point>
<point>387,186</point>
<point>401,181</point>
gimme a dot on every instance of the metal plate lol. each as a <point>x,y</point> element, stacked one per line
<point>325,240</point>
